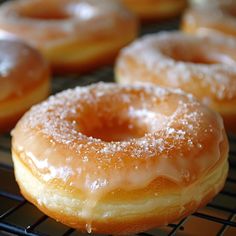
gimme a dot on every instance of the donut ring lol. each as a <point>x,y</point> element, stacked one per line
<point>24,81</point>
<point>119,159</point>
<point>74,35</point>
<point>203,66</point>
<point>156,9</point>
<point>217,16</point>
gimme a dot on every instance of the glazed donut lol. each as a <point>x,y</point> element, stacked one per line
<point>203,66</point>
<point>24,81</point>
<point>74,35</point>
<point>214,16</point>
<point>120,159</point>
<point>156,9</point>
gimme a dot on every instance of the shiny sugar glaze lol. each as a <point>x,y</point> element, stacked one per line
<point>204,66</point>
<point>167,134</point>
<point>64,21</point>
<point>22,68</point>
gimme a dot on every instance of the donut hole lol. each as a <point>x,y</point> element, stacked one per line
<point>121,118</point>
<point>46,15</point>
<point>203,59</point>
<point>54,11</point>
<point>38,11</point>
<point>115,129</point>
<point>182,53</point>
<point>196,59</point>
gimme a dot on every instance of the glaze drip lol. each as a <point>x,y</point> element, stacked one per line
<point>177,131</point>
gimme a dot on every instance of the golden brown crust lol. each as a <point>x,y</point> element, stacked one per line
<point>124,181</point>
<point>24,81</point>
<point>86,64</point>
<point>125,225</point>
<point>72,40</point>
<point>17,106</point>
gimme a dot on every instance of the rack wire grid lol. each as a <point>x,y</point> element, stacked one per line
<point>19,217</point>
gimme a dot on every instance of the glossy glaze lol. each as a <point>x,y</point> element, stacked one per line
<point>65,30</point>
<point>180,139</point>
<point>22,69</point>
<point>201,65</point>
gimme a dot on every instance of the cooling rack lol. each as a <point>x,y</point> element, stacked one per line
<point>18,217</point>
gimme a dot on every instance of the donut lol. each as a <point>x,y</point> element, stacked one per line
<point>203,66</point>
<point>216,16</point>
<point>24,81</point>
<point>74,35</point>
<point>117,159</point>
<point>148,10</point>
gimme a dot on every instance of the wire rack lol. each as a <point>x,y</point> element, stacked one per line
<point>18,217</point>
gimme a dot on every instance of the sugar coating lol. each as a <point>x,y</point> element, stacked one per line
<point>103,15</point>
<point>58,117</point>
<point>209,16</point>
<point>181,141</point>
<point>157,64</point>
